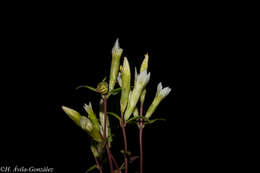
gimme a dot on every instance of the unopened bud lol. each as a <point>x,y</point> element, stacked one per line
<point>102,87</point>
<point>126,79</point>
<point>74,115</point>
<point>144,65</point>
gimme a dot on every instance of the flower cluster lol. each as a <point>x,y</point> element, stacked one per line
<point>99,128</point>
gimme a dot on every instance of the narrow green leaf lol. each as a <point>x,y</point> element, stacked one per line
<point>115,91</point>
<point>114,115</point>
<point>154,120</point>
<point>122,166</point>
<point>136,118</point>
<point>91,168</point>
<point>88,87</point>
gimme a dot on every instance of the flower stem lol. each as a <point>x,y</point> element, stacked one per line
<point>141,127</point>
<point>141,148</point>
<point>114,161</point>
<point>125,145</point>
<point>98,166</point>
<point>105,135</point>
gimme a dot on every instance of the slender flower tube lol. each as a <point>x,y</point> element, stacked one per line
<point>141,82</point>
<point>116,55</point>
<point>74,115</point>
<point>126,78</point>
<point>160,95</point>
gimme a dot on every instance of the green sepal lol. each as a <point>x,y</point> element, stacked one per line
<point>88,87</point>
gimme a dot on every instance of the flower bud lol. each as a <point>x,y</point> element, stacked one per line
<point>74,115</point>
<point>144,65</point>
<point>160,95</point>
<point>141,82</point>
<point>116,55</point>
<point>126,79</point>
<point>102,87</point>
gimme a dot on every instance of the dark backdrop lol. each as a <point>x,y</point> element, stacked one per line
<point>46,56</point>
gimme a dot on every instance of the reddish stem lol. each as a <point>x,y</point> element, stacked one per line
<point>141,148</point>
<point>98,166</point>
<point>105,116</point>
<point>114,161</point>
<point>125,145</point>
<point>141,126</point>
<point>105,135</point>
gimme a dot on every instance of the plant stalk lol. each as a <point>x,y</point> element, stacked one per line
<point>141,127</point>
<point>114,161</point>
<point>141,148</point>
<point>125,144</point>
<point>105,135</point>
<point>98,166</point>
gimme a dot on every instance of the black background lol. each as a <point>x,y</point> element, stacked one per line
<point>48,53</point>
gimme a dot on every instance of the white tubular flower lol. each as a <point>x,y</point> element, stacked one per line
<point>141,82</point>
<point>160,95</point>
<point>116,55</point>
